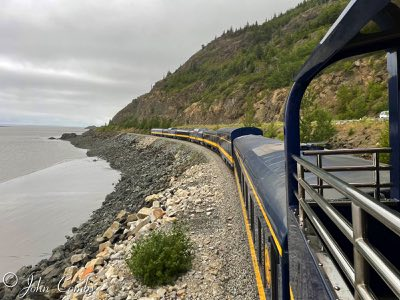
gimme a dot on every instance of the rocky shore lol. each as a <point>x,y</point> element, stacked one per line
<point>161,182</point>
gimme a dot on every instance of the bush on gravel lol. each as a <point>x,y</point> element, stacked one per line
<point>161,257</point>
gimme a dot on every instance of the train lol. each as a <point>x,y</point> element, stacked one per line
<point>321,224</point>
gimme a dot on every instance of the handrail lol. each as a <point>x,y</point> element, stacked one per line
<point>333,214</point>
<point>355,184</point>
<point>390,219</point>
<point>330,242</point>
<point>362,203</point>
<point>355,168</point>
<point>375,167</point>
<point>346,151</point>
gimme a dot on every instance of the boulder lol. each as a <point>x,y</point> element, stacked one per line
<point>121,215</point>
<point>67,136</point>
<point>104,246</point>
<point>156,213</point>
<point>105,254</point>
<point>144,212</point>
<point>152,198</point>
<point>148,227</point>
<point>140,224</point>
<point>78,275</point>
<point>131,218</point>
<point>111,230</point>
<point>58,254</point>
<point>77,258</point>
<point>48,270</point>
<point>69,274</point>
<point>98,261</point>
<point>100,239</point>
<point>86,272</point>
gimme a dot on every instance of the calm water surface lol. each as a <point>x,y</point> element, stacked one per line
<point>46,188</point>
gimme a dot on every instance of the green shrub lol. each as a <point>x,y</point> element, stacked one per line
<point>249,119</point>
<point>351,132</point>
<point>356,102</point>
<point>384,142</point>
<point>315,123</point>
<point>161,257</point>
<point>272,130</point>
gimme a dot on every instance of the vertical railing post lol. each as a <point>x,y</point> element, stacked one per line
<point>394,121</point>
<point>319,180</point>
<point>301,192</point>
<point>361,271</point>
<point>375,160</point>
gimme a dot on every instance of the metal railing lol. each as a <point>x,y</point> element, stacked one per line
<point>365,254</point>
<point>376,167</point>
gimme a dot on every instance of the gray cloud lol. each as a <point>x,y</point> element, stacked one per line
<point>71,62</point>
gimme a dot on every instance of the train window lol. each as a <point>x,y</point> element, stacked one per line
<point>274,260</point>
<point>252,215</point>
<point>267,263</point>
<point>259,241</point>
<point>246,190</point>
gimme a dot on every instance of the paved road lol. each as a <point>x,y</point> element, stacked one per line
<point>349,177</point>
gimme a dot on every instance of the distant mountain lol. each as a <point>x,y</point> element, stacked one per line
<point>246,74</point>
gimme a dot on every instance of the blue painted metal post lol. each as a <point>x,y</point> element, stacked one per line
<point>394,121</point>
<point>292,139</point>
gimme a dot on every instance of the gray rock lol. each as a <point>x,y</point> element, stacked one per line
<point>78,258</point>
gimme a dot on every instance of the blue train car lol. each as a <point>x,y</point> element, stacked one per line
<point>279,245</point>
<point>227,135</point>
<point>197,135</point>
<point>210,139</point>
<point>182,134</point>
<point>156,131</point>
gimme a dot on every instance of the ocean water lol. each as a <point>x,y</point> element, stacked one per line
<point>46,188</point>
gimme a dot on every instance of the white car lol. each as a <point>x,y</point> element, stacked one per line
<point>384,115</point>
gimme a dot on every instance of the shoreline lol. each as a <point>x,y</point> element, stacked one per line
<point>124,153</point>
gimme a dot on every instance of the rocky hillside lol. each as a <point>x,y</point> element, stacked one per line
<point>246,74</point>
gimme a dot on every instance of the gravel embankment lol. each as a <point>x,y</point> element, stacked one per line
<point>176,181</point>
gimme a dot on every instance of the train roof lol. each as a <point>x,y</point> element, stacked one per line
<point>235,132</point>
<point>183,129</point>
<point>210,131</point>
<point>264,160</point>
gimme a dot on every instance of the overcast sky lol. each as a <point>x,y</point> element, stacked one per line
<point>78,62</point>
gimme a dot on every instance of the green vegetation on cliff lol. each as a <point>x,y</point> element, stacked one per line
<point>245,76</point>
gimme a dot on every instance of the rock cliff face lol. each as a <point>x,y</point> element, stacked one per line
<point>250,71</point>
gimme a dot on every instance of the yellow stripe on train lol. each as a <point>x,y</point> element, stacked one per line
<point>228,156</point>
